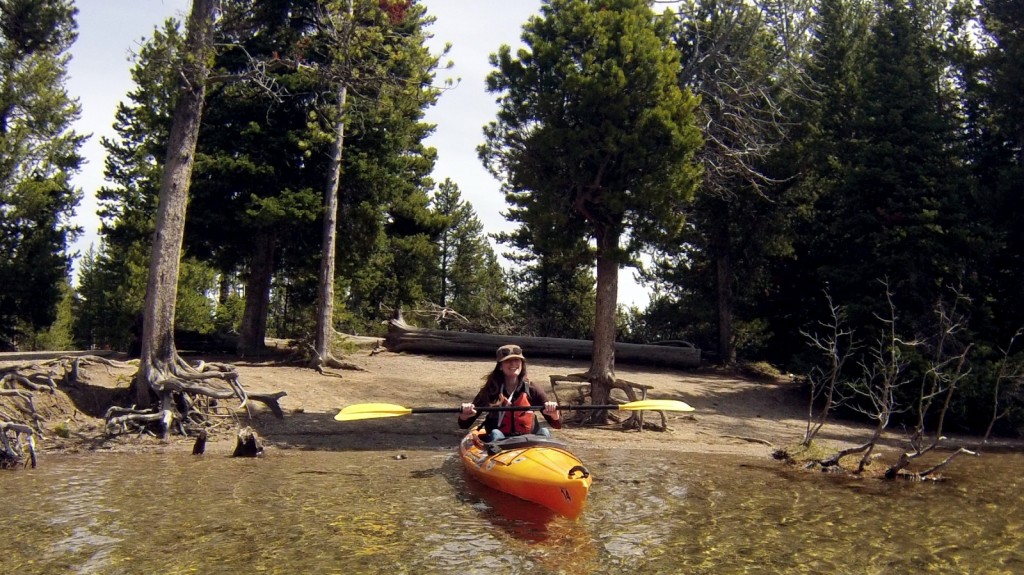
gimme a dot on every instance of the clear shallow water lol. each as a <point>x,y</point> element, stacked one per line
<point>370,512</point>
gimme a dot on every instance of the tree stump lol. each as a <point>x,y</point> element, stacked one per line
<point>199,447</point>
<point>248,444</point>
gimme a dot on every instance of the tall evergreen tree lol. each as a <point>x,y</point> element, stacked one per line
<point>826,118</point>
<point>377,74</point>
<point>386,231</point>
<point>113,278</point>
<point>159,359</point>
<point>593,128</point>
<point>999,157</point>
<point>553,282</point>
<point>256,195</point>
<point>471,281</point>
<point>744,61</point>
<point>899,207</point>
<point>38,156</point>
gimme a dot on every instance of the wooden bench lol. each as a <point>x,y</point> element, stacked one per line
<point>579,383</point>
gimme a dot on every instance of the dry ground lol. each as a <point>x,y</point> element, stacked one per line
<point>733,415</point>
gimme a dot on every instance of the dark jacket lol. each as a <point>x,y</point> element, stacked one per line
<point>535,395</point>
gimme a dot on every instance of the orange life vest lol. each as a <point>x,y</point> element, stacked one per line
<point>517,422</point>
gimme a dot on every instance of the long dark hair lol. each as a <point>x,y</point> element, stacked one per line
<point>494,382</point>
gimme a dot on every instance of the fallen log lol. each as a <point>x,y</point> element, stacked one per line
<point>404,337</point>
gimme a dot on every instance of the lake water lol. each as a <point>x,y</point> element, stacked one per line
<point>295,512</point>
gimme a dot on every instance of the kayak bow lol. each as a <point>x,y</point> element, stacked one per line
<point>531,467</point>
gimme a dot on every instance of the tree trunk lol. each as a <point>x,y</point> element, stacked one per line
<point>602,361</point>
<point>158,352</point>
<point>223,289</point>
<point>325,307</point>
<point>726,345</point>
<point>253,331</point>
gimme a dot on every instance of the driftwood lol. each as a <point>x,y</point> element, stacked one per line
<point>192,399</point>
<point>13,448</point>
<point>404,337</point>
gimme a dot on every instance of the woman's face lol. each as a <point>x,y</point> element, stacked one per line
<point>512,367</point>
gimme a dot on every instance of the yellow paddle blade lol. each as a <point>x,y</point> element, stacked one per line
<point>656,405</point>
<point>371,411</point>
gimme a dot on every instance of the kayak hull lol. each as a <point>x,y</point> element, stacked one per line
<point>529,467</point>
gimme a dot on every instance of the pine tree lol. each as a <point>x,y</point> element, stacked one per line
<point>113,279</point>
<point>38,156</point>
<point>593,128</point>
<point>256,195</point>
<point>899,210</point>
<point>159,358</point>
<point>471,281</point>
<point>999,158</point>
<point>385,232</point>
<point>744,61</point>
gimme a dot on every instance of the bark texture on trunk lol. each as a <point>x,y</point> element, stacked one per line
<point>253,332</point>
<point>158,352</point>
<point>726,345</point>
<point>325,301</point>
<point>602,361</point>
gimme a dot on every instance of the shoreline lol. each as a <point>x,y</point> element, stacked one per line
<point>733,414</point>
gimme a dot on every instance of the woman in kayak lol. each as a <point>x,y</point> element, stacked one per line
<point>507,384</point>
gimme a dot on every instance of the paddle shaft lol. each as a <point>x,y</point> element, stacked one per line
<point>490,408</point>
<point>375,410</point>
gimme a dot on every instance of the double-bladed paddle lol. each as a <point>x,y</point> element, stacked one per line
<point>377,410</point>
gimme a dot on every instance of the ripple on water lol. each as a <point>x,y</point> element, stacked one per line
<point>365,512</point>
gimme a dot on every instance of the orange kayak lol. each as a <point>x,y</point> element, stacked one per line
<point>531,467</point>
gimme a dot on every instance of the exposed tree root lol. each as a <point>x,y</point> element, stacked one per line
<point>328,361</point>
<point>189,401</point>
<point>20,421</point>
<point>832,464</point>
<point>931,474</point>
<point>13,448</point>
<point>750,439</point>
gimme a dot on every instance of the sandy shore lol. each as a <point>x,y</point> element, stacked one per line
<point>733,415</point>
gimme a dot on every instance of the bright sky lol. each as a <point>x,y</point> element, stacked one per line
<point>110,30</point>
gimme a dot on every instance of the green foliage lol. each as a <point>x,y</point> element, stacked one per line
<point>58,336</point>
<point>554,298</point>
<point>62,429</point>
<point>292,298</point>
<point>387,233</point>
<point>760,370</point>
<point>594,142</point>
<point>227,315</point>
<point>743,59</point>
<point>111,293</point>
<point>195,306</point>
<point>470,279</point>
<point>260,167</point>
<point>38,156</point>
<point>135,156</point>
<point>994,80</point>
<point>256,172</point>
<point>592,126</point>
